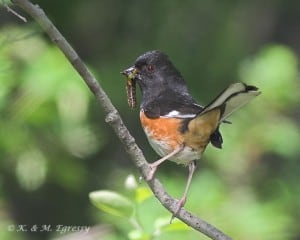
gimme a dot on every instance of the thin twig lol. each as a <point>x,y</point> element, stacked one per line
<point>9,9</point>
<point>114,119</point>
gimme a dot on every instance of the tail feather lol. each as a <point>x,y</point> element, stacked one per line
<point>231,99</point>
<point>204,127</point>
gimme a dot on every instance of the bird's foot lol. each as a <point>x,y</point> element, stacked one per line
<point>153,168</point>
<point>180,205</point>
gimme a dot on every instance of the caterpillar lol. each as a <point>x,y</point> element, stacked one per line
<point>131,92</point>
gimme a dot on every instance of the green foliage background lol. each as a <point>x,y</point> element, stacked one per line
<point>55,147</point>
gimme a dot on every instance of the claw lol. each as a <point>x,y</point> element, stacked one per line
<point>181,202</point>
<point>180,205</point>
<point>152,172</point>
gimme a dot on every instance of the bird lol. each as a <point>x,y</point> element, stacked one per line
<point>176,126</point>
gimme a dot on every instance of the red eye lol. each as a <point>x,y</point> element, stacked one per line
<point>150,68</point>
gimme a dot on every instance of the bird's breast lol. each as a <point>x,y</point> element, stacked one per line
<point>164,136</point>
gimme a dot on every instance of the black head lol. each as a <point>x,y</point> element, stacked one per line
<point>159,80</point>
<point>155,70</point>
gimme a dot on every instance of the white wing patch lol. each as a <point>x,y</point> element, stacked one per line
<point>177,114</point>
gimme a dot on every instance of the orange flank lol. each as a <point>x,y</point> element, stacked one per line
<point>163,129</point>
<point>167,130</point>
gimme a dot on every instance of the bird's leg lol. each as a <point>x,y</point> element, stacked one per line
<point>181,202</point>
<point>155,164</point>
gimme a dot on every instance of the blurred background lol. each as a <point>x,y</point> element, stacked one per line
<point>55,147</point>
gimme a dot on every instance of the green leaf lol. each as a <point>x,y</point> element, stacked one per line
<point>142,194</point>
<point>112,203</point>
<point>163,224</point>
<point>138,235</point>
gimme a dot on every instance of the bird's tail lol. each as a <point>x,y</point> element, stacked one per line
<point>204,127</point>
<point>231,99</point>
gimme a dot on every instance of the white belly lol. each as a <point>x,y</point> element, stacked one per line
<point>183,157</point>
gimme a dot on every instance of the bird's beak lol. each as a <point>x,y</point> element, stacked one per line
<point>131,74</point>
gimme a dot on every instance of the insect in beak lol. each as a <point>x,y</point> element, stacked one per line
<point>131,74</point>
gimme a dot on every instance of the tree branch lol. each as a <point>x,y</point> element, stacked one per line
<point>113,118</point>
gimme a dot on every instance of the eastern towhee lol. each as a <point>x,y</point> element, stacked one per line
<point>176,126</point>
